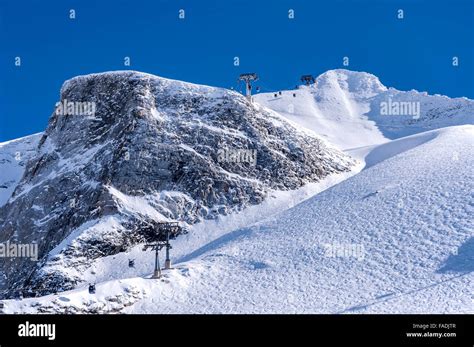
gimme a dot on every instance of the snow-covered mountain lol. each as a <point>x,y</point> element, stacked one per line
<point>353,109</point>
<point>386,226</point>
<point>395,238</point>
<point>153,150</point>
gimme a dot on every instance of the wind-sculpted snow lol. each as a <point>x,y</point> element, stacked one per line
<point>153,149</point>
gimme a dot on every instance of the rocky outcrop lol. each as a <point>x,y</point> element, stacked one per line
<point>152,149</point>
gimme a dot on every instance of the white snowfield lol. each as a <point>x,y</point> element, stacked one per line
<point>395,235</point>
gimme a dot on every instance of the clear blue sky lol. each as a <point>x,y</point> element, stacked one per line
<point>413,53</point>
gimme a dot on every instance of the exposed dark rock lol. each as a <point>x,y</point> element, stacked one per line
<point>150,152</point>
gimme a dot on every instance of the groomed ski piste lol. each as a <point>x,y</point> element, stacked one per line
<point>395,235</point>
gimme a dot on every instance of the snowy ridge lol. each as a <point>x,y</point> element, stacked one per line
<point>346,108</point>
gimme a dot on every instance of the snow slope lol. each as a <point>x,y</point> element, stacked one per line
<point>115,267</point>
<point>13,157</point>
<point>345,108</point>
<point>396,238</point>
<point>411,213</point>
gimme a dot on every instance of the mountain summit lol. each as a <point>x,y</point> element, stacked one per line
<point>354,109</point>
<point>153,149</point>
<point>360,85</point>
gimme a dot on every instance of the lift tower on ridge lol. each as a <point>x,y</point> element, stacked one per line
<point>307,79</point>
<point>248,78</point>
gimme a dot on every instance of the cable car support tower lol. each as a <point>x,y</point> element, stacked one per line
<point>164,232</point>
<point>248,78</point>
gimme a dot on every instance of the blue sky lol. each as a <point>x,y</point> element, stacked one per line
<point>413,53</point>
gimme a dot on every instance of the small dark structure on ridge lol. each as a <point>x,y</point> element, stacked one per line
<point>248,78</point>
<point>307,79</point>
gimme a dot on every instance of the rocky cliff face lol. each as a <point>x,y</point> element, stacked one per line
<point>152,149</point>
<point>13,158</point>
